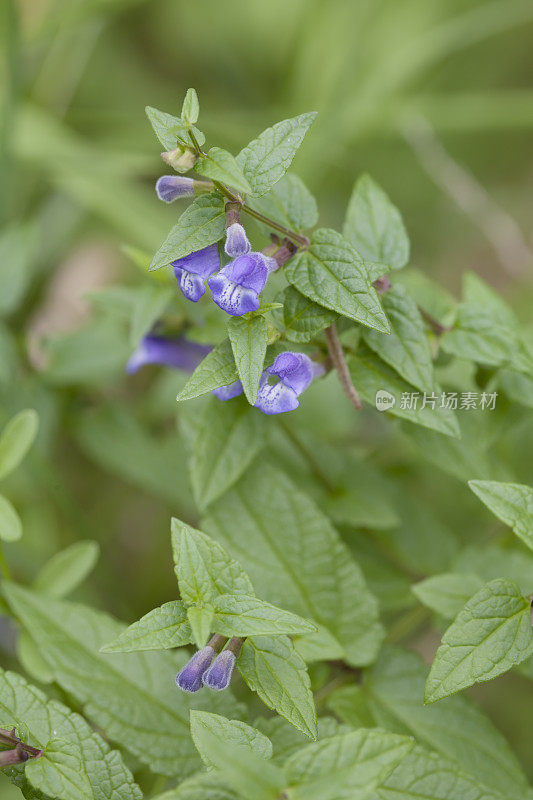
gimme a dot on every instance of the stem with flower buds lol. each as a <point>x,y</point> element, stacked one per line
<point>302,241</point>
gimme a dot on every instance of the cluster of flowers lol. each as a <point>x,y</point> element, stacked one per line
<point>210,667</point>
<point>236,289</point>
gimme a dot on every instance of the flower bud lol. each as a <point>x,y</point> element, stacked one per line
<point>170,187</point>
<point>189,679</point>
<point>218,676</point>
<point>182,159</point>
<point>237,243</point>
<point>15,756</point>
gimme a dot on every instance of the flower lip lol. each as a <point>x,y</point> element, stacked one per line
<point>237,286</point>
<point>189,679</point>
<point>295,372</point>
<point>192,270</point>
<point>218,676</point>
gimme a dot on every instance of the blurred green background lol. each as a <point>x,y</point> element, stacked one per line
<point>432,97</point>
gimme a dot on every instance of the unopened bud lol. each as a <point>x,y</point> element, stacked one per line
<point>182,159</point>
<point>15,756</point>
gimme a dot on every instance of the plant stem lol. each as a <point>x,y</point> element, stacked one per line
<point>432,322</point>
<point>302,241</point>
<point>339,362</point>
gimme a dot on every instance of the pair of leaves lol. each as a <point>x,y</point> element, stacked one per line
<point>16,439</point>
<point>169,129</point>
<point>331,273</point>
<point>77,762</point>
<point>218,596</point>
<point>491,634</point>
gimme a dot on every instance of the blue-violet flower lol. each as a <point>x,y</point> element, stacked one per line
<point>218,675</point>
<point>177,352</point>
<point>192,271</point>
<point>295,371</point>
<point>170,187</point>
<point>236,288</point>
<point>229,392</point>
<point>190,677</point>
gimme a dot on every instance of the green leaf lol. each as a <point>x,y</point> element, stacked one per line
<point>232,731</point>
<point>16,439</point>
<point>132,696</point>
<point>217,369</point>
<point>406,348</point>
<point>296,559</point>
<point>346,767</point>
<point>67,569</point>
<point>266,159</point>
<point>94,354</point>
<point>201,786</point>
<point>201,622</point>
<point>18,250</point>
<point>249,774</point>
<point>229,438</point>
<point>246,615</point>
<point>27,708</point>
<point>485,329</point>
<point>290,203</point>
<point>249,339</point>
<point>447,593</point>
<point>489,636</point>
<point>371,375</point>
<point>200,225</point>
<point>272,668</point>
<point>59,772</point>
<point>331,273</point>
<point>350,705</point>
<point>168,129</point>
<point>219,165</point>
<point>203,568</point>
<point>511,502</point>
<point>10,523</point>
<point>455,728</point>
<point>428,776</point>
<point>190,109</point>
<point>374,226</point>
<point>162,628</point>
<point>31,659</point>
<point>301,319</point>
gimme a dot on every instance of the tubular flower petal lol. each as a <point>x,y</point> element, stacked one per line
<point>170,187</point>
<point>228,392</point>
<point>189,679</point>
<point>237,243</point>
<point>295,371</point>
<point>192,271</point>
<point>178,353</point>
<point>218,675</point>
<point>236,288</point>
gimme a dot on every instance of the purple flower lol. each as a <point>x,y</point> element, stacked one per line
<point>295,371</point>
<point>190,677</point>
<point>229,392</point>
<point>236,288</point>
<point>237,243</point>
<point>170,187</point>
<point>218,675</point>
<point>177,352</point>
<point>192,270</point>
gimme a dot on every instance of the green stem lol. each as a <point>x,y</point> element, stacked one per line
<point>407,624</point>
<point>302,241</point>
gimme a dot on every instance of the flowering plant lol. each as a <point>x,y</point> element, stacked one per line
<point>274,670</point>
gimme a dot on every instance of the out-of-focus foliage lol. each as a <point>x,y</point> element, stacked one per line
<point>392,81</point>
